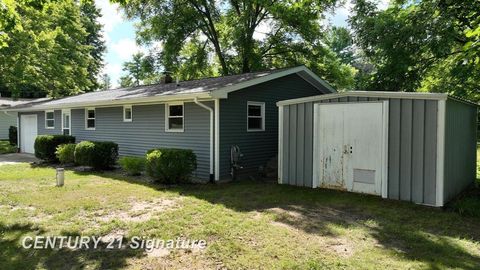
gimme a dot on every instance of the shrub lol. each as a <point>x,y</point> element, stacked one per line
<point>12,135</point>
<point>169,165</point>
<point>100,155</point>
<point>46,145</point>
<point>66,153</point>
<point>133,165</point>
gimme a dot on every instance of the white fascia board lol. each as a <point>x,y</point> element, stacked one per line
<point>121,102</point>
<point>223,92</point>
<point>373,94</point>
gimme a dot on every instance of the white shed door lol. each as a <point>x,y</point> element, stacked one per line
<point>352,146</point>
<point>28,133</point>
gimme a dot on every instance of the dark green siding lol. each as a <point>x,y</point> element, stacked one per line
<point>257,147</point>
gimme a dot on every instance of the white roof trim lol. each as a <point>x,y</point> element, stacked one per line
<point>375,94</point>
<point>119,102</point>
<point>223,92</point>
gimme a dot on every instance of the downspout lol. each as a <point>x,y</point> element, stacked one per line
<point>212,179</point>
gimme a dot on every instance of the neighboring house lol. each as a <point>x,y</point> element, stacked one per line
<point>208,116</point>
<point>8,119</point>
<point>418,147</point>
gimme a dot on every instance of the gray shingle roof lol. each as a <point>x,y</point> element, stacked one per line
<point>9,102</point>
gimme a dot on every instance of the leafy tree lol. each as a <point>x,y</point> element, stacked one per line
<point>429,45</point>
<point>45,48</point>
<point>203,38</point>
<point>105,82</point>
<point>140,70</point>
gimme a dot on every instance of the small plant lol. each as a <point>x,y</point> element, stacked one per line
<point>66,153</point>
<point>132,165</point>
<point>12,135</point>
<point>100,155</point>
<point>46,146</point>
<point>170,165</point>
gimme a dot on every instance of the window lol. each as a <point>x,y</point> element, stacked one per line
<point>255,116</point>
<point>90,118</point>
<point>66,122</point>
<point>49,119</point>
<point>174,117</point>
<point>127,113</point>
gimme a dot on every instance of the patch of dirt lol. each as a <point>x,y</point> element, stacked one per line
<point>16,207</point>
<point>138,211</point>
<point>341,247</point>
<point>112,236</point>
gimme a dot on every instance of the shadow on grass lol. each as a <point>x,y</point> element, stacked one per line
<point>14,256</point>
<point>413,232</point>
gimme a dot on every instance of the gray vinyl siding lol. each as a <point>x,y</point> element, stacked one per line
<point>146,131</point>
<point>41,130</point>
<point>411,142</point>
<point>460,147</point>
<point>7,120</point>
<point>257,147</point>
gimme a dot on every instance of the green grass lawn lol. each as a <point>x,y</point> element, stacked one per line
<point>247,225</point>
<point>6,148</point>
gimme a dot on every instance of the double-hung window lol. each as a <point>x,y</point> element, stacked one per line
<point>255,116</point>
<point>127,113</point>
<point>90,118</point>
<point>49,120</point>
<point>174,117</point>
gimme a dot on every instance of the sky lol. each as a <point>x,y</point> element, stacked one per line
<point>119,34</point>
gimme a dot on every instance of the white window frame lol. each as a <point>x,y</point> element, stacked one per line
<point>125,107</point>
<point>86,118</point>
<point>167,116</point>
<point>262,105</point>
<point>69,121</point>
<point>46,126</point>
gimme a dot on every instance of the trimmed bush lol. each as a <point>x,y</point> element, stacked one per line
<point>100,155</point>
<point>66,153</point>
<point>46,145</point>
<point>132,165</point>
<point>170,165</point>
<point>12,135</point>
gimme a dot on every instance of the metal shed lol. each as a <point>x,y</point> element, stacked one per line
<point>418,147</point>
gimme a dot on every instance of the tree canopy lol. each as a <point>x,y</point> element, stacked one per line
<point>429,45</point>
<point>49,47</point>
<point>204,38</point>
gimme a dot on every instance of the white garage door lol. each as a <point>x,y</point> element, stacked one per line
<point>351,145</point>
<point>28,132</point>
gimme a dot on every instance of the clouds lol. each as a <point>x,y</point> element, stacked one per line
<point>125,48</point>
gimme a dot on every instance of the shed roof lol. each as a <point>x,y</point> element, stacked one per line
<point>217,87</point>
<point>376,94</point>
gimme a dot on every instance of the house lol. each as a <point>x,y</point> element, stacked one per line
<point>208,116</point>
<point>418,147</point>
<point>10,119</point>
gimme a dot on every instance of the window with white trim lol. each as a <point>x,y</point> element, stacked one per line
<point>174,117</point>
<point>255,116</point>
<point>127,113</point>
<point>49,119</point>
<point>90,118</point>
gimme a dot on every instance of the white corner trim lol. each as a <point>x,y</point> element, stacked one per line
<point>280,144</point>
<point>167,116</point>
<point>440,153</point>
<point>316,150</point>
<point>131,113</point>
<point>45,116</point>
<point>262,111</point>
<point>385,149</point>
<point>217,139</point>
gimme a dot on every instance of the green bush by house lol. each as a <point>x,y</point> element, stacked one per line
<point>12,135</point>
<point>46,145</point>
<point>66,153</point>
<point>132,165</point>
<point>100,155</point>
<point>170,165</point>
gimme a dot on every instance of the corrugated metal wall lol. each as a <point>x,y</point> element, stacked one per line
<point>412,146</point>
<point>460,147</point>
<point>146,131</point>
